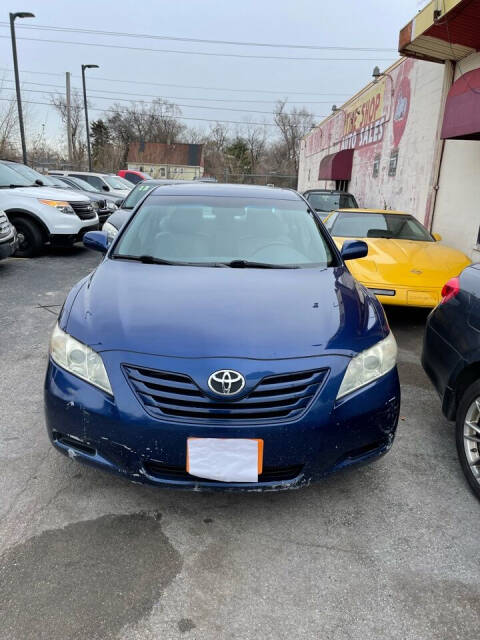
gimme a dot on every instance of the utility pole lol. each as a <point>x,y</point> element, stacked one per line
<point>87,66</point>
<point>69,119</point>
<point>13,16</point>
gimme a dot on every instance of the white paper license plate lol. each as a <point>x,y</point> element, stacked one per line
<point>225,459</point>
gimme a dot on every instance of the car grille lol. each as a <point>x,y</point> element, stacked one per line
<point>175,395</point>
<point>5,228</point>
<point>84,210</point>
<point>269,474</point>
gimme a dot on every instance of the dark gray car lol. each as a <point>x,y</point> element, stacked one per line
<point>324,201</point>
<point>118,218</point>
<point>106,204</point>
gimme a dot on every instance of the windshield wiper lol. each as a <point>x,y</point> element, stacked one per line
<point>145,259</point>
<point>13,186</point>
<point>247,264</point>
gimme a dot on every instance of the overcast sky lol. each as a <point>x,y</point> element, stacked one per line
<point>342,23</point>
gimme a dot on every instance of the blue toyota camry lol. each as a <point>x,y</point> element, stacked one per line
<point>222,343</point>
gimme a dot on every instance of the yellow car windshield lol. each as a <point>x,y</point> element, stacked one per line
<point>378,225</point>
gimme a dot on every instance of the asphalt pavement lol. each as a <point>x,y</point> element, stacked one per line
<point>387,551</point>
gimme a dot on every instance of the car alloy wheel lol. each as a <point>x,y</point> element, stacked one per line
<point>471,438</point>
<point>468,436</point>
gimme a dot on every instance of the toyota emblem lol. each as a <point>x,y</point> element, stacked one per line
<point>226,382</point>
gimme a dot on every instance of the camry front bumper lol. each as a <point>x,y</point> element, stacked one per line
<point>118,435</point>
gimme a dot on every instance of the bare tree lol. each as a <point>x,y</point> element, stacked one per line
<point>156,121</point>
<point>216,141</point>
<point>8,123</point>
<point>8,128</point>
<point>256,140</point>
<point>292,127</point>
<point>77,118</point>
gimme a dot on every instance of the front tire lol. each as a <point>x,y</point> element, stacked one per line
<point>468,436</point>
<point>30,238</point>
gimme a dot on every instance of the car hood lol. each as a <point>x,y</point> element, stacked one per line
<point>407,262</point>
<point>49,193</point>
<point>222,312</point>
<point>118,193</point>
<point>119,217</point>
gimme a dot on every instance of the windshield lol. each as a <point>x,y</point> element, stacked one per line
<point>81,184</point>
<point>57,182</point>
<point>379,225</point>
<point>217,231</point>
<point>8,178</point>
<point>331,201</point>
<point>31,175</point>
<point>115,182</point>
<point>137,194</point>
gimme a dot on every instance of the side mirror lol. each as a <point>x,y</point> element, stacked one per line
<point>353,249</point>
<point>437,237</point>
<point>105,188</point>
<point>96,240</point>
<point>39,182</point>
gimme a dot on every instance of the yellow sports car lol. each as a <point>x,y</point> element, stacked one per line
<point>405,265</point>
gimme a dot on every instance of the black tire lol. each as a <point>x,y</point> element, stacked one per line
<point>468,460</point>
<point>31,240</point>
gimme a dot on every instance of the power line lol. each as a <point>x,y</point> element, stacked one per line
<point>198,53</point>
<point>144,36</point>
<point>149,95</point>
<point>188,106</point>
<point>146,102</point>
<point>182,86</point>
<point>110,110</point>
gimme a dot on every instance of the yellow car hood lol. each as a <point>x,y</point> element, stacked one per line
<point>407,262</point>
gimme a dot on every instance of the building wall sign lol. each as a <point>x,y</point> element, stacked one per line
<point>401,109</point>
<point>314,142</point>
<point>364,119</point>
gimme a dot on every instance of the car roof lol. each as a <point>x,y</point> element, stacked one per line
<point>89,173</point>
<point>226,190</point>
<point>361,210</point>
<point>329,191</point>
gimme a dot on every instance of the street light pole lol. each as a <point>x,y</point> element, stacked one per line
<point>87,66</point>
<point>13,16</point>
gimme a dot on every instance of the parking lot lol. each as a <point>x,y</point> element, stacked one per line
<point>384,551</point>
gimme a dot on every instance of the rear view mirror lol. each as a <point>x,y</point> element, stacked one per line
<point>354,249</point>
<point>96,240</point>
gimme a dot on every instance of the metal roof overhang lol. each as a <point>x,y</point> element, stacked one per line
<point>461,120</point>
<point>443,30</point>
<point>337,166</point>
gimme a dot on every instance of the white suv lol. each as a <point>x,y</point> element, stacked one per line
<point>43,214</point>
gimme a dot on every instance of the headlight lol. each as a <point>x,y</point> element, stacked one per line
<point>369,365</point>
<point>94,204</point>
<point>61,205</point>
<point>111,205</point>
<point>72,355</point>
<point>110,230</point>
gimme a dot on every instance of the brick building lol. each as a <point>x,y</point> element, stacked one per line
<point>161,160</point>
